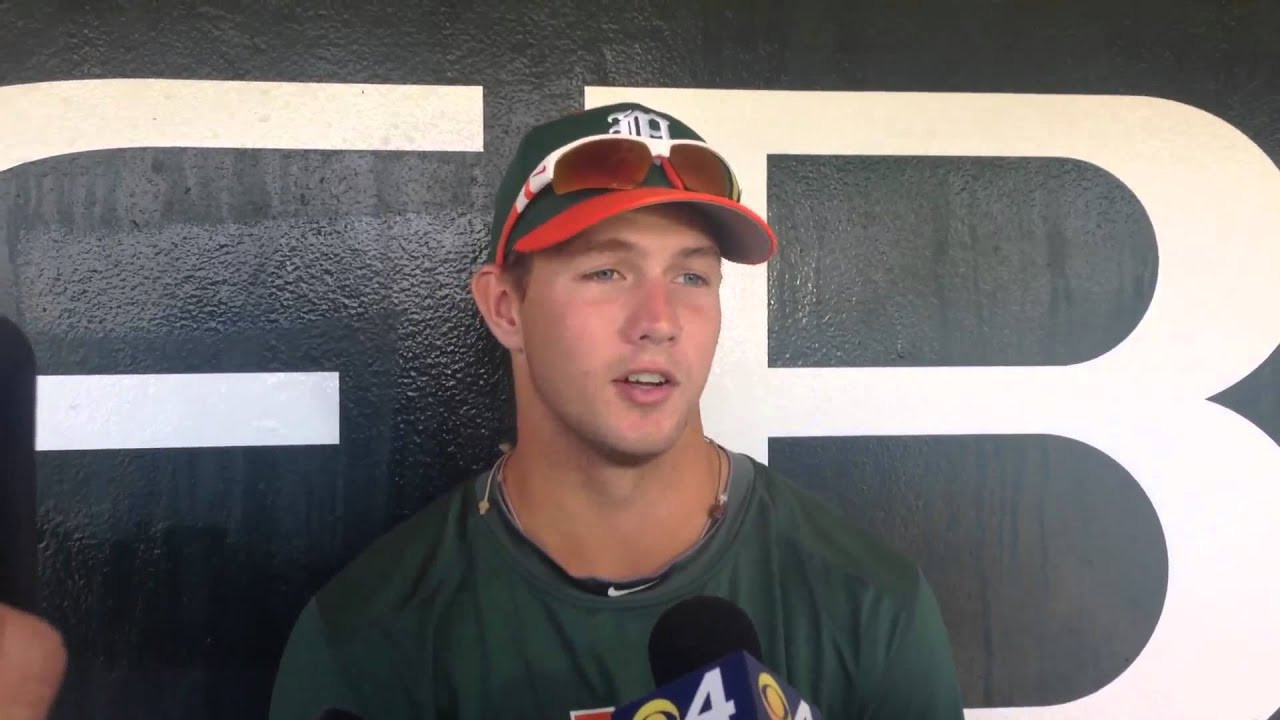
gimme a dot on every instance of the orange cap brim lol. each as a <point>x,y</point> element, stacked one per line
<point>744,236</point>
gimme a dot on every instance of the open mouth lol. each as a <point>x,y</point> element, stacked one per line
<point>646,379</point>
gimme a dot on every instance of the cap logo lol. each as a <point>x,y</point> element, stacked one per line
<point>638,123</point>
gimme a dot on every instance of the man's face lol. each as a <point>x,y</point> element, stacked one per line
<point>619,327</point>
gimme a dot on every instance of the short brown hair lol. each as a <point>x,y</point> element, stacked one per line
<point>517,268</point>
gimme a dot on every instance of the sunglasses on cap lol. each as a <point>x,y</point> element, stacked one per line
<point>622,162</point>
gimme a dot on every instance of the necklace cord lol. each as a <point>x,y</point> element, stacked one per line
<point>716,512</point>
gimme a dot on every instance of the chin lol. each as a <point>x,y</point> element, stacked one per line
<point>629,448</point>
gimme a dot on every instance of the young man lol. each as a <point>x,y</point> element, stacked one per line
<point>530,590</point>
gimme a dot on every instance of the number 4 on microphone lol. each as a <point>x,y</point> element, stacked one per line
<point>709,703</point>
<point>735,688</point>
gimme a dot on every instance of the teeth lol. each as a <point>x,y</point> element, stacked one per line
<point>646,378</point>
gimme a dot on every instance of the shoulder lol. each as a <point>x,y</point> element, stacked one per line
<point>341,642</point>
<point>414,561</point>
<point>830,543</point>
<point>872,592</point>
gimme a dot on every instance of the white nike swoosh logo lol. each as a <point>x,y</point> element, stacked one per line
<point>615,592</point>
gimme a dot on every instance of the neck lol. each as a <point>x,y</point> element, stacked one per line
<point>597,517</point>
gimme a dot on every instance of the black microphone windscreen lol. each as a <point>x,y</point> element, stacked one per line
<point>18,585</point>
<point>698,631</point>
<point>338,714</point>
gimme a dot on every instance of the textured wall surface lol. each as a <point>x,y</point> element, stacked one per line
<point>176,573</point>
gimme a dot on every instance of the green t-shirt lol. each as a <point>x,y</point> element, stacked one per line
<point>454,615</point>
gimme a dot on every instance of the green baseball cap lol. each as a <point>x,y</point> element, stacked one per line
<point>551,218</point>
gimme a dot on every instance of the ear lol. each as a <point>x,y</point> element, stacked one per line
<point>499,306</point>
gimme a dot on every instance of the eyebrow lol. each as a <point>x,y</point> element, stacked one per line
<point>712,251</point>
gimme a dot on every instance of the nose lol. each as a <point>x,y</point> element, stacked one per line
<point>653,318</point>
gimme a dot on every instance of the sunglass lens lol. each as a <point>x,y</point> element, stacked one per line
<point>607,164</point>
<point>702,170</point>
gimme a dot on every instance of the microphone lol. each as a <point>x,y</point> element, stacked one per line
<point>333,713</point>
<point>17,469</point>
<point>698,631</point>
<point>704,655</point>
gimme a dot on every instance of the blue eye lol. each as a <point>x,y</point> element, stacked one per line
<point>606,274</point>
<point>694,279</point>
